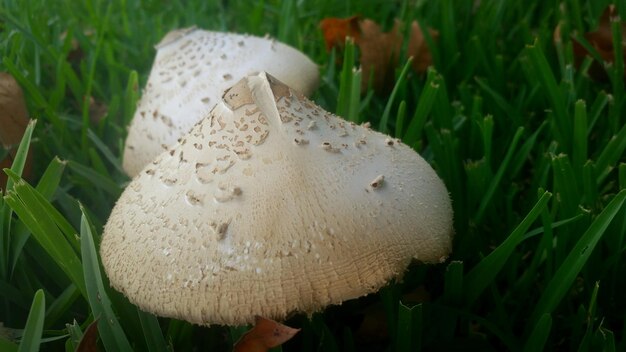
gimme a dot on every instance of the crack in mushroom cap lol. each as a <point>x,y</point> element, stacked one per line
<point>241,218</point>
<point>191,70</point>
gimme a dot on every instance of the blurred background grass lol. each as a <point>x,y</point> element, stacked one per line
<point>529,141</point>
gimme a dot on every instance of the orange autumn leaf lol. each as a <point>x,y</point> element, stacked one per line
<point>379,50</point>
<point>264,335</point>
<point>336,30</point>
<point>13,119</point>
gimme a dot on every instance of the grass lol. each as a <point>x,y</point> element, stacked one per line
<point>530,147</point>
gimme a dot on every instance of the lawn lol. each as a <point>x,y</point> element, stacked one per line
<point>522,114</point>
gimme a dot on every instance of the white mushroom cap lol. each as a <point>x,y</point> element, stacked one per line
<point>272,205</point>
<point>191,70</point>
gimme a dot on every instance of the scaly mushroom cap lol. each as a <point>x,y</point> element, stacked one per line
<point>272,205</point>
<point>191,70</point>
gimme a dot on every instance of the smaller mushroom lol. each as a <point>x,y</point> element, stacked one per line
<point>191,70</point>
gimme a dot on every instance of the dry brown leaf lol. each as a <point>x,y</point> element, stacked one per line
<point>418,48</point>
<point>379,53</point>
<point>14,116</point>
<point>265,334</point>
<point>335,30</point>
<point>13,119</point>
<point>89,341</point>
<point>379,50</point>
<point>601,40</point>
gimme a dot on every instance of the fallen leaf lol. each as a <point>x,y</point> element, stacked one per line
<point>264,335</point>
<point>379,51</point>
<point>13,119</point>
<point>14,115</point>
<point>89,342</point>
<point>336,30</point>
<point>601,40</point>
<point>418,48</point>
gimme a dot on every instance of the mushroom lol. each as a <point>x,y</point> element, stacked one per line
<point>191,70</point>
<point>254,213</point>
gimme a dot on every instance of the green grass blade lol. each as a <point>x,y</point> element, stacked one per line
<point>500,101</point>
<point>41,223</point>
<point>13,295</point>
<point>75,334</point>
<point>424,106</point>
<point>95,178</point>
<point>498,176</point>
<point>384,120</point>
<point>565,184</point>
<point>152,332</point>
<point>3,152</point>
<point>579,152</point>
<point>131,97</point>
<point>31,339</point>
<point>612,152</point>
<point>17,167</point>
<point>553,226</point>
<point>562,280</point>
<point>400,119</point>
<point>22,152</point>
<point>617,75</point>
<point>409,332</point>
<point>521,157</point>
<point>548,81</point>
<point>346,82</point>
<point>61,305</point>
<point>104,149</point>
<point>453,283</point>
<point>486,132</point>
<point>46,187</point>
<point>89,86</point>
<point>111,332</point>
<point>29,87</point>
<point>51,178</point>
<point>45,213</point>
<point>5,240</point>
<point>607,339</point>
<point>483,274</point>
<point>7,346</point>
<point>601,101</point>
<point>538,337</point>
<point>355,96</point>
